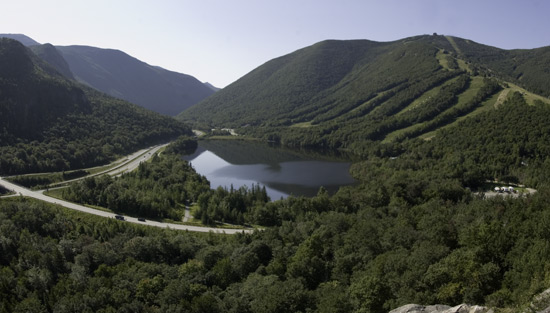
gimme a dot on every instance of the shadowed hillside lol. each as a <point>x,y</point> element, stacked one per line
<point>25,40</point>
<point>52,56</point>
<point>122,76</point>
<point>51,123</point>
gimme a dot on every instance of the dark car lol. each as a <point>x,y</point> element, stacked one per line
<point>119,217</point>
<point>141,219</point>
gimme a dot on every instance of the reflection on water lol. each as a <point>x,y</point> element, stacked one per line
<point>281,171</point>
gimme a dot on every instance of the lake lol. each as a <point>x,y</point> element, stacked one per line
<point>282,171</point>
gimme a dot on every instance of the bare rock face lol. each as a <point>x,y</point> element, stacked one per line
<point>462,308</point>
<point>410,308</point>
<point>541,303</point>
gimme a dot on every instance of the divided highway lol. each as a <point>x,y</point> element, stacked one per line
<point>136,158</point>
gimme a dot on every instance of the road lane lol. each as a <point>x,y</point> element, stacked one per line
<point>135,161</point>
<point>37,195</point>
<point>127,164</point>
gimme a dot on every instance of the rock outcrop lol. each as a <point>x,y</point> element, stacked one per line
<point>438,308</point>
<point>541,303</point>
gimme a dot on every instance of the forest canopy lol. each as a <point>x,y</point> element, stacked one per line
<point>419,227</point>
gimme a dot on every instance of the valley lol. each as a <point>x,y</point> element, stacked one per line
<point>427,122</point>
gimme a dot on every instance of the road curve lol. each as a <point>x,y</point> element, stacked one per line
<point>33,194</point>
<point>135,160</point>
<point>129,163</point>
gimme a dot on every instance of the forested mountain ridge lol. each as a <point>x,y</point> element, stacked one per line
<point>123,76</point>
<point>51,123</point>
<point>33,93</point>
<point>341,94</point>
<point>525,67</point>
<point>25,40</point>
<point>120,75</point>
<point>52,56</point>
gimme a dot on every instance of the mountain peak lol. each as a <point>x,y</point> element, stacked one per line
<point>25,40</point>
<point>321,95</point>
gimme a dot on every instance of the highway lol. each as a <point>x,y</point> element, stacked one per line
<point>125,165</point>
<point>135,158</point>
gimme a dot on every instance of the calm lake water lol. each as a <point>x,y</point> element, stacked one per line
<point>282,171</point>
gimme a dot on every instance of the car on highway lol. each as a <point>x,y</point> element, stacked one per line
<point>141,219</point>
<point>119,217</point>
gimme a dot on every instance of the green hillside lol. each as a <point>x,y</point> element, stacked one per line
<point>527,68</point>
<point>346,94</point>
<point>418,227</point>
<point>49,123</point>
<point>409,232</point>
<point>307,82</point>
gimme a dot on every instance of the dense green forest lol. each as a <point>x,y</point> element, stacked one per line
<point>507,144</point>
<point>327,255</point>
<point>415,229</point>
<point>459,160</point>
<point>348,94</point>
<point>154,190</point>
<point>161,188</point>
<point>311,81</point>
<point>49,123</point>
<point>525,67</point>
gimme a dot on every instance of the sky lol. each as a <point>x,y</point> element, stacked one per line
<point>219,41</point>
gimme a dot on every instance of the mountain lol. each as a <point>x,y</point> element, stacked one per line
<point>50,123</point>
<point>25,40</point>
<point>33,93</point>
<point>345,94</point>
<point>525,67</point>
<point>120,75</point>
<point>209,85</point>
<point>52,56</point>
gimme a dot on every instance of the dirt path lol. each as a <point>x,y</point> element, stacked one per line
<point>187,216</point>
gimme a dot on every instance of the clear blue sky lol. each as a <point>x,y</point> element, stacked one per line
<point>221,40</point>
